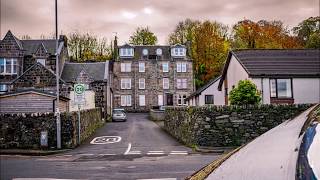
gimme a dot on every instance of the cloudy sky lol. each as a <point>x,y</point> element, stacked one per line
<point>106,17</point>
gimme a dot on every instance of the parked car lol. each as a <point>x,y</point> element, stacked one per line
<point>119,115</point>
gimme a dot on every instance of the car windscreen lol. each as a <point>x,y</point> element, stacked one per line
<point>118,112</point>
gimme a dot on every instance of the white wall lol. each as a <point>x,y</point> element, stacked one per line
<point>218,96</point>
<point>265,92</point>
<point>306,90</point>
<point>235,73</point>
<point>89,101</point>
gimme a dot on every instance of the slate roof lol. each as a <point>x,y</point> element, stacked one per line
<point>280,62</point>
<point>201,89</point>
<point>277,63</point>
<point>97,71</point>
<point>31,46</point>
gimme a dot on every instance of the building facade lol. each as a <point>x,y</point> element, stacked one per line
<point>146,77</point>
<point>207,94</point>
<point>283,76</point>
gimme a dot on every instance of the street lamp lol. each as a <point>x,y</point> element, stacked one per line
<point>58,120</point>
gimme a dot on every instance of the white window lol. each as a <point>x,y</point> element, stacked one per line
<point>125,67</point>
<point>280,88</point>
<point>182,83</point>
<point>126,52</point>
<point>3,87</point>
<point>165,83</point>
<point>165,67</point>
<point>142,67</point>
<point>181,100</point>
<point>160,100</point>
<point>159,52</point>
<point>126,83</point>
<point>42,61</point>
<point>125,100</point>
<point>178,52</point>
<point>142,83</point>
<point>181,67</point>
<point>142,100</point>
<point>8,66</point>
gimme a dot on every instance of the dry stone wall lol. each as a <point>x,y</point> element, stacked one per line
<point>23,130</point>
<point>226,125</point>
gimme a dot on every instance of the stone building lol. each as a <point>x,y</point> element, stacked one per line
<point>146,77</point>
<point>30,65</point>
<point>26,64</point>
<point>96,77</point>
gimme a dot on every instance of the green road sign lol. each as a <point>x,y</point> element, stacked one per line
<point>79,88</point>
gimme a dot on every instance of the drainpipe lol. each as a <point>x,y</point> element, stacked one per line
<point>262,91</point>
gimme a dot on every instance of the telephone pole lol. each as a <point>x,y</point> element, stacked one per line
<point>58,120</point>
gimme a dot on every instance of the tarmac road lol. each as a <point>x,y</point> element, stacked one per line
<point>136,149</point>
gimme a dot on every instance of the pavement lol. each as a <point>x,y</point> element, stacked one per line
<point>136,149</point>
<point>272,155</point>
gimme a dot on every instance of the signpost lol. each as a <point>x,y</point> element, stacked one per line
<point>79,99</point>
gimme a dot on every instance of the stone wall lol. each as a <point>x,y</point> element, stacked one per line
<point>156,115</point>
<point>23,130</point>
<point>225,125</point>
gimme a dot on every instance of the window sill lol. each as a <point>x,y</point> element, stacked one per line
<point>274,100</point>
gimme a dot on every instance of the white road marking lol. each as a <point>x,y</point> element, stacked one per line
<point>42,179</point>
<point>86,154</point>
<point>106,140</point>
<point>134,152</point>
<point>128,149</point>
<point>160,179</point>
<point>107,154</point>
<point>155,151</point>
<point>178,153</point>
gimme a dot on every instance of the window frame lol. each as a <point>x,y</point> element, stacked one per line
<point>142,81</point>
<point>160,97</point>
<point>142,67</point>
<point>144,100</point>
<point>181,67</point>
<point>165,81</point>
<point>125,83</point>
<point>125,100</point>
<point>182,98</point>
<point>178,52</point>
<point>125,67</point>
<point>13,66</point>
<point>5,89</point>
<point>182,83</point>
<point>276,88</point>
<point>165,64</point>
<point>205,99</point>
<point>126,52</point>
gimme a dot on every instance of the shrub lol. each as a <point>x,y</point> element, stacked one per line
<point>244,94</point>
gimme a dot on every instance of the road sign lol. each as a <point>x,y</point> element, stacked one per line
<point>79,88</point>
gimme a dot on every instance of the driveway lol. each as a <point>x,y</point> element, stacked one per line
<point>145,151</point>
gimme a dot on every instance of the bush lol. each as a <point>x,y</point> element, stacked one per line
<point>244,94</point>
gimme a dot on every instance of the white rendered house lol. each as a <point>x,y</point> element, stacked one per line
<point>289,76</point>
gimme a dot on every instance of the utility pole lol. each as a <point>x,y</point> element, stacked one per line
<point>58,120</point>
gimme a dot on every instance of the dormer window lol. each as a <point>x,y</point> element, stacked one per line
<point>178,52</point>
<point>8,66</point>
<point>126,52</point>
<point>159,52</point>
<point>145,52</point>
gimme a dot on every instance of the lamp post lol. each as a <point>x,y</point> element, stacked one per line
<point>58,120</point>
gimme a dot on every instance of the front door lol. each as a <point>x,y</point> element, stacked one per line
<point>169,99</point>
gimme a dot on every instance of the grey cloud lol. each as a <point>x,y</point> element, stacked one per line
<point>103,17</point>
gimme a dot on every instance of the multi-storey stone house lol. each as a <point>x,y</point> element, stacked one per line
<point>150,76</point>
<point>28,66</point>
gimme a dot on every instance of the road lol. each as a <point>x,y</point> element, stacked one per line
<point>145,151</point>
